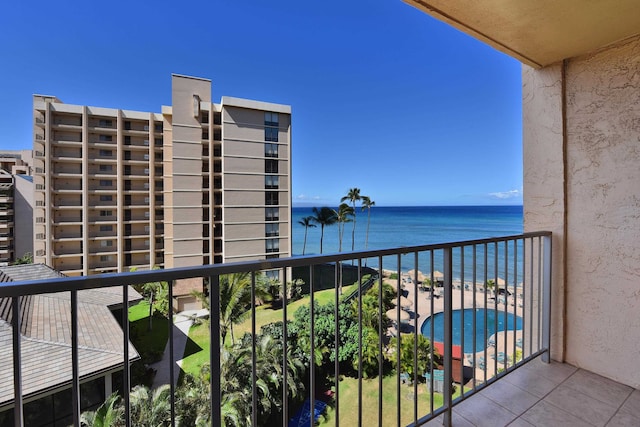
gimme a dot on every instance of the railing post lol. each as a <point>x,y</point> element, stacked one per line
<point>75,376</point>
<point>170,325</point>
<point>126,377</point>
<point>214,357</point>
<point>18,414</point>
<point>546,299</point>
<point>448,334</point>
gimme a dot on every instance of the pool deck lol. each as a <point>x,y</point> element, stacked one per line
<point>429,303</point>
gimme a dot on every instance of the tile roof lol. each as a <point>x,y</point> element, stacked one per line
<point>46,333</point>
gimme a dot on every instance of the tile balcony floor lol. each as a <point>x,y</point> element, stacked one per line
<point>553,395</point>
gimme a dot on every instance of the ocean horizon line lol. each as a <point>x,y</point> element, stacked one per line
<point>312,205</point>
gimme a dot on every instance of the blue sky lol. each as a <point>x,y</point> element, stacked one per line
<point>384,97</point>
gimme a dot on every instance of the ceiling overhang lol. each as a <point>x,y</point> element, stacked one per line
<point>539,32</point>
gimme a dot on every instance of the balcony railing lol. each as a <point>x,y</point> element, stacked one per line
<point>483,305</point>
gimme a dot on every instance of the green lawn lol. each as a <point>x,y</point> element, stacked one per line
<point>197,350</point>
<point>349,401</point>
<point>149,343</point>
<point>139,311</point>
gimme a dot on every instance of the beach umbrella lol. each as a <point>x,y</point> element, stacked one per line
<point>438,275</point>
<point>405,302</point>
<point>412,274</point>
<point>393,315</point>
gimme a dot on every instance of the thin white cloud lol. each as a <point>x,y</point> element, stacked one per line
<point>305,197</point>
<point>511,194</point>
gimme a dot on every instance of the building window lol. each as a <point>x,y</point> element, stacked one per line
<point>157,127</point>
<point>272,230</point>
<point>106,213</point>
<point>127,125</point>
<point>106,243</point>
<point>271,126</point>
<point>105,123</point>
<point>106,198</point>
<point>106,168</point>
<point>106,228</point>
<point>105,258</point>
<point>272,214</point>
<point>271,134</point>
<point>106,138</point>
<point>272,245</point>
<point>271,198</point>
<point>271,119</point>
<point>105,153</point>
<point>106,183</point>
<point>127,140</point>
<point>271,150</point>
<point>271,181</point>
<point>271,166</point>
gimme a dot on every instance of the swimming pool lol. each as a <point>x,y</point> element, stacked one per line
<point>513,322</point>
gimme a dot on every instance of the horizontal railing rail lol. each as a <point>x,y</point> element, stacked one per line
<point>491,301</point>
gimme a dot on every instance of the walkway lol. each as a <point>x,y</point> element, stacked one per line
<point>181,324</point>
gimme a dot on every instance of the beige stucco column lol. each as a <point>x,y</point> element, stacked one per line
<point>544,169</point>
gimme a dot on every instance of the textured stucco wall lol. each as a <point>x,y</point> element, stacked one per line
<point>544,176</point>
<point>598,321</point>
<point>603,194</point>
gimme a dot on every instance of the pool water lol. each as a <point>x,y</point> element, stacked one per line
<point>492,326</point>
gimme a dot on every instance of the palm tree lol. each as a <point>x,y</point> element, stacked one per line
<point>306,222</point>
<point>343,215</point>
<point>109,414</point>
<point>324,216</point>
<point>353,196</point>
<point>490,285</point>
<point>157,293</point>
<point>367,203</point>
<point>151,408</point>
<point>235,300</point>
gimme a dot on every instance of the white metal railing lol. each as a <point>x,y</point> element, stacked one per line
<point>507,278</point>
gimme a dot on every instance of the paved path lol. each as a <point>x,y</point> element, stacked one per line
<point>181,324</point>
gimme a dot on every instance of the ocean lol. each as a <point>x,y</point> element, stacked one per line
<point>393,227</point>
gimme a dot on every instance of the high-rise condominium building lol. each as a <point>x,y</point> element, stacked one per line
<point>16,205</point>
<point>6,218</point>
<point>198,183</point>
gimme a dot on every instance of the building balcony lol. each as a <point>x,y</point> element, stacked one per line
<point>443,294</point>
<point>66,142</point>
<point>66,126</point>
<point>68,158</point>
